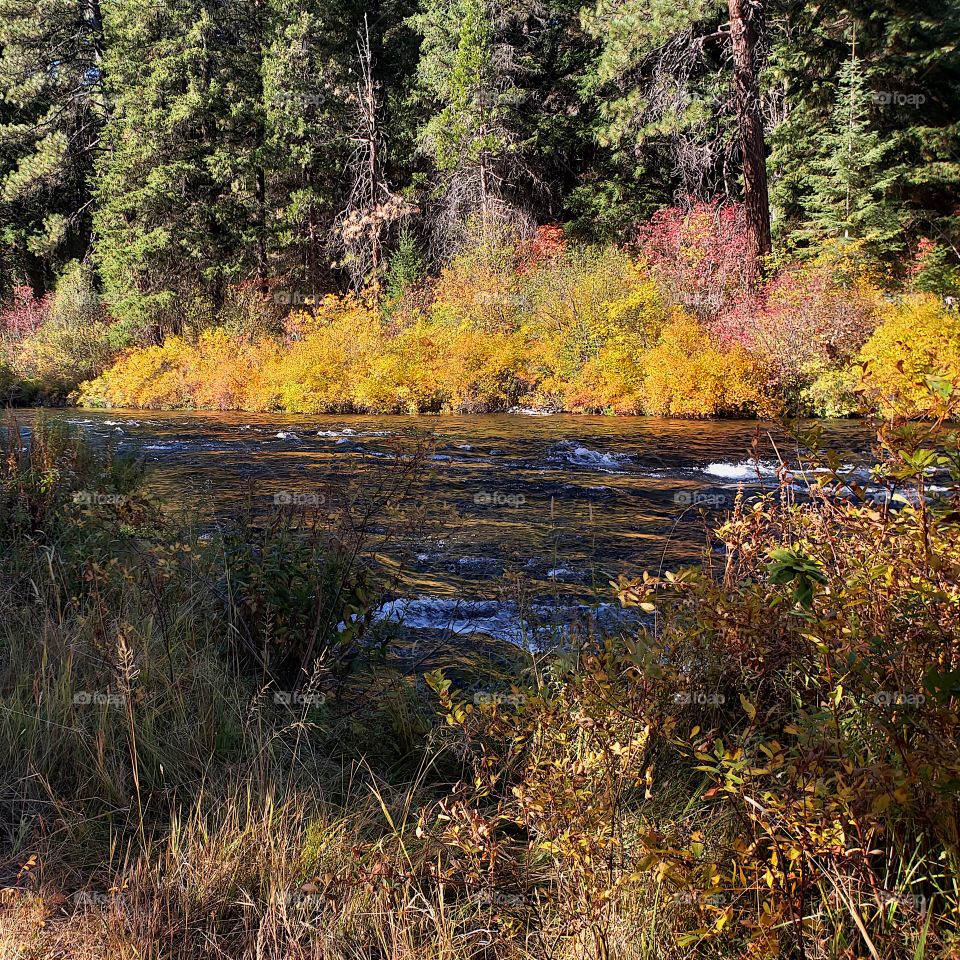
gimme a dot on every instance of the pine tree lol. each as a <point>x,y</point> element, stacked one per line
<point>666,110</point>
<point>907,52</point>
<point>851,183</point>
<point>308,84</point>
<point>181,200</point>
<point>474,135</point>
<point>52,112</point>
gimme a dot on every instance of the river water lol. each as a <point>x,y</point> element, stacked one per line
<point>514,511</point>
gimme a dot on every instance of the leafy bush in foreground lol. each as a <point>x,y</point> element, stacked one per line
<point>771,768</point>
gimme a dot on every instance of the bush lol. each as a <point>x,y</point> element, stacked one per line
<point>327,357</point>
<point>769,768</point>
<point>687,374</point>
<point>23,315</point>
<point>292,597</point>
<point>59,495</point>
<point>701,256</point>
<point>809,319</point>
<point>917,340</point>
<point>833,393</point>
<point>54,344</point>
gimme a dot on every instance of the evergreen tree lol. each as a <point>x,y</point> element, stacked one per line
<point>52,112</point>
<point>851,183</point>
<point>665,104</point>
<point>474,135</point>
<point>308,85</point>
<point>910,55</point>
<point>181,206</point>
<point>405,267</point>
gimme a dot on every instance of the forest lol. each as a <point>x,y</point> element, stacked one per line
<point>742,186</point>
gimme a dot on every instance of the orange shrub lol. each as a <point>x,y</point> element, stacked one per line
<point>610,382</point>
<point>151,377</point>
<point>480,288</point>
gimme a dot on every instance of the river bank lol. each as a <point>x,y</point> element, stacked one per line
<point>213,748</point>
<point>579,330</point>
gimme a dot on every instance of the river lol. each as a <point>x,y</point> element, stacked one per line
<point>514,511</point>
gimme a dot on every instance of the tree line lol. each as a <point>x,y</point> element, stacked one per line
<point>179,150</point>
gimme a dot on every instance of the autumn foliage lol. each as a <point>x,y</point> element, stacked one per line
<point>675,326</point>
<point>534,324</point>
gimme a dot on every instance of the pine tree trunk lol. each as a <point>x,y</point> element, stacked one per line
<point>743,34</point>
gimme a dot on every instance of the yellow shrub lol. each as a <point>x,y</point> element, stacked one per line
<point>479,288</point>
<point>324,369</point>
<point>612,382</point>
<point>484,371</point>
<point>433,367</point>
<point>151,377</point>
<point>320,370</point>
<point>407,375</point>
<point>916,339</point>
<point>688,375</point>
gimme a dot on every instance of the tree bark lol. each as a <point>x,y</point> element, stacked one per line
<point>746,16</point>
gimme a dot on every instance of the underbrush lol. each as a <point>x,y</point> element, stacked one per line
<point>676,324</point>
<point>772,766</point>
<point>198,763</point>
<point>672,329</point>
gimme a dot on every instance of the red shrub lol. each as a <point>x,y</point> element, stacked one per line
<point>548,243</point>
<point>24,315</point>
<point>807,318</point>
<point>701,256</point>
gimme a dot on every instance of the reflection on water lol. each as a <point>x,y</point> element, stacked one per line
<point>559,504</point>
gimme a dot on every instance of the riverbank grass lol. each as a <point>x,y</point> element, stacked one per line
<point>196,767</point>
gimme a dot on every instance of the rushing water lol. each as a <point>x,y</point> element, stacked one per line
<point>550,507</point>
